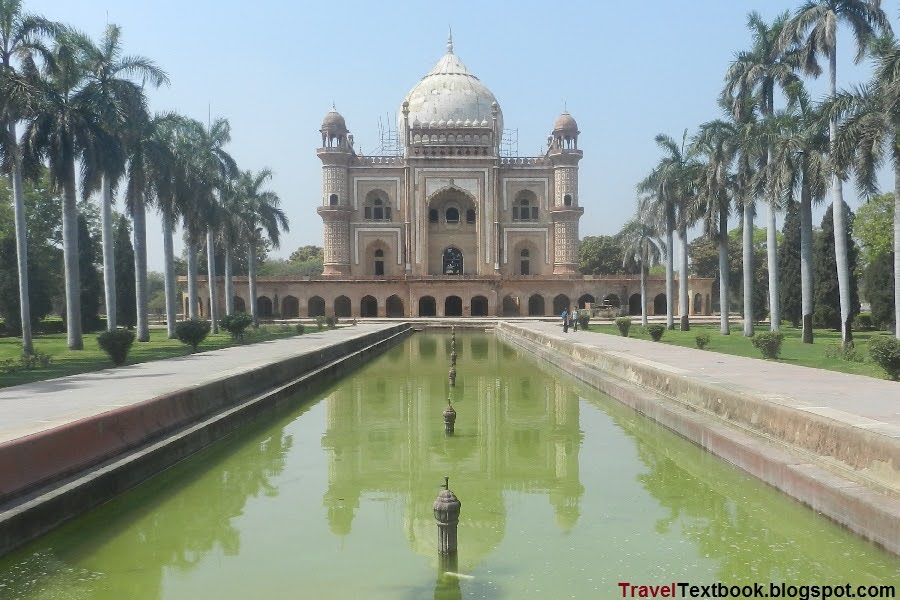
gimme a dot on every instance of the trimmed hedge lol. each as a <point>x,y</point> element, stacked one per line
<point>769,343</point>
<point>624,324</point>
<point>116,344</point>
<point>885,351</point>
<point>236,324</point>
<point>192,332</point>
<point>656,331</point>
<point>702,340</point>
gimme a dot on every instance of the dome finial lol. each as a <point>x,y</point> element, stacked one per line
<point>450,41</point>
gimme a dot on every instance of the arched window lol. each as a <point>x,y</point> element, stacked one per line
<point>333,200</point>
<point>567,200</point>
<point>379,262</point>
<point>470,216</point>
<point>377,207</point>
<point>452,215</point>
<point>525,263</point>
<point>453,261</point>
<point>525,207</point>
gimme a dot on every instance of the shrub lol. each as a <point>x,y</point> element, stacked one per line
<point>192,332</point>
<point>584,318</point>
<point>236,324</point>
<point>769,343</point>
<point>331,322</point>
<point>300,328</point>
<point>116,344</point>
<point>864,321</point>
<point>846,352</point>
<point>320,322</point>
<point>656,331</point>
<point>702,340</point>
<point>26,363</point>
<point>885,351</point>
<point>624,324</point>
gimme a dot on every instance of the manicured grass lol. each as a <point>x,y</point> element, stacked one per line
<point>92,358</point>
<point>793,350</point>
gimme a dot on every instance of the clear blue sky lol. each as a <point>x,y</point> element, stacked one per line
<point>626,71</point>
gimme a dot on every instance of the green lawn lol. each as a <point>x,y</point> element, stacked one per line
<point>92,358</point>
<point>793,350</point>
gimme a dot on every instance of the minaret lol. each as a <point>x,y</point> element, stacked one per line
<point>336,153</point>
<point>564,154</point>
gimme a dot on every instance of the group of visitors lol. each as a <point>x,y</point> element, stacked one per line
<point>570,319</point>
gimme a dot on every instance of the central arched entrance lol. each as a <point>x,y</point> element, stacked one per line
<point>368,307</point>
<point>427,307</point>
<point>453,306</point>
<point>452,261</point>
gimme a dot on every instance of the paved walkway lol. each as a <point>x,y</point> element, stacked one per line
<point>864,402</point>
<point>34,407</point>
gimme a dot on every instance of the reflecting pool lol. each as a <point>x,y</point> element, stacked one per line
<point>564,494</point>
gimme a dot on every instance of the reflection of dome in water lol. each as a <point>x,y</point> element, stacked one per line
<point>449,95</point>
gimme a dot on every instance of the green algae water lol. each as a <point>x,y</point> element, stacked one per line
<point>565,493</point>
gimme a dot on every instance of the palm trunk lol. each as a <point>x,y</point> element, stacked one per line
<point>70,259</point>
<point>251,278</point>
<point>670,271</point>
<point>643,293</point>
<point>840,225</point>
<point>140,268</point>
<point>772,256</point>
<point>724,271</point>
<point>169,270</point>
<point>806,256</point>
<point>21,242</point>
<point>109,261</point>
<point>748,268</point>
<point>193,296</point>
<point>229,284</point>
<point>684,297</point>
<point>896,242</point>
<point>211,278</point>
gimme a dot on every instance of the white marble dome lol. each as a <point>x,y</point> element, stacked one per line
<point>450,93</point>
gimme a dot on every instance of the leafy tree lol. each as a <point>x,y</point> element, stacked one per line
<point>126,299</point>
<point>600,255</point>
<point>40,289</point>
<point>874,225</point>
<point>878,278</point>
<point>789,264</point>
<point>288,268</point>
<point>307,253</point>
<point>827,294</point>
<point>91,282</point>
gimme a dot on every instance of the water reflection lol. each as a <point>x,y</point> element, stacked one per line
<point>384,435</point>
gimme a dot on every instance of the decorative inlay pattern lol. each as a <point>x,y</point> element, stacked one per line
<point>566,182</point>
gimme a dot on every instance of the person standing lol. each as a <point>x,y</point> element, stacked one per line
<point>565,320</point>
<point>575,319</point>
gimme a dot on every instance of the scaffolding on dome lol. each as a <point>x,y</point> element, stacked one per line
<point>389,138</point>
<point>509,142</point>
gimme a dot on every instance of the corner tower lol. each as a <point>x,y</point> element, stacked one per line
<point>565,211</point>
<point>336,153</point>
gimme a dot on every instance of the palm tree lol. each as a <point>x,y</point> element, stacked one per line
<point>218,166</point>
<point>716,142</point>
<point>756,74</point>
<point>118,100</point>
<point>870,133</point>
<point>800,162</point>
<point>231,232</point>
<point>641,246</point>
<point>59,130</point>
<point>150,165</point>
<point>817,22</point>
<point>261,215</point>
<point>19,34</point>
<point>670,185</point>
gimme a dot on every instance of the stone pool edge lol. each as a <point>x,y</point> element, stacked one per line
<point>874,516</point>
<point>249,395</point>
